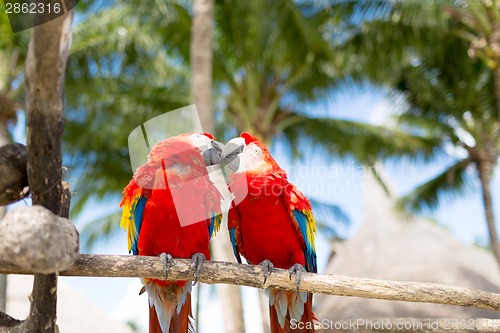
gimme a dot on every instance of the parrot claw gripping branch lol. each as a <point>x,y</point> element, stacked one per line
<point>267,269</point>
<point>166,260</point>
<point>297,269</point>
<point>197,264</point>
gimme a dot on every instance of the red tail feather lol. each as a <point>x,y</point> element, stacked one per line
<point>180,323</point>
<point>154,325</point>
<point>306,324</point>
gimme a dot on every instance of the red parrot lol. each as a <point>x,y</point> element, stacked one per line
<point>172,209</point>
<point>271,222</point>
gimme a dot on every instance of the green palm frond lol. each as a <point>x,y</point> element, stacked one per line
<point>5,30</point>
<point>405,26</point>
<point>102,31</point>
<point>426,125</point>
<point>331,219</point>
<point>364,142</point>
<point>111,29</point>
<point>480,14</point>
<point>448,184</point>
<point>355,11</point>
<point>378,178</point>
<point>100,229</point>
<point>263,36</point>
<point>13,51</point>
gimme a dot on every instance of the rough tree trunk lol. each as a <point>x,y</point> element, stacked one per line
<point>201,62</point>
<point>485,170</point>
<point>45,69</point>
<point>201,89</point>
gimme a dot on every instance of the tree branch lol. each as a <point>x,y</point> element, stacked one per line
<point>45,72</point>
<point>13,159</point>
<point>8,321</point>
<point>230,273</point>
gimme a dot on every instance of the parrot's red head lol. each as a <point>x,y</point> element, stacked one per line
<point>248,154</point>
<point>249,138</point>
<point>202,143</point>
<point>208,135</point>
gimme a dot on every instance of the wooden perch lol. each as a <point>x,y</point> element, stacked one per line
<point>247,275</point>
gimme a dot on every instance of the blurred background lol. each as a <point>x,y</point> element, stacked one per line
<point>386,114</point>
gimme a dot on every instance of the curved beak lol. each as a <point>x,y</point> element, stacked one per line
<point>218,146</point>
<point>231,152</point>
<point>213,155</point>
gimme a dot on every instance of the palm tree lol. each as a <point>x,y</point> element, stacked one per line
<point>448,95</point>
<point>482,29</point>
<point>282,59</point>
<point>201,89</point>
<point>265,65</point>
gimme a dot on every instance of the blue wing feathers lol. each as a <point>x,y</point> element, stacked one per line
<point>212,225</point>
<point>232,236</point>
<point>138,214</point>
<point>310,252</point>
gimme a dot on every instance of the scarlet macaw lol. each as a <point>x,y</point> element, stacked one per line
<point>171,209</point>
<point>271,222</point>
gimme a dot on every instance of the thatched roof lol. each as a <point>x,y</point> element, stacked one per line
<point>390,246</point>
<point>75,314</point>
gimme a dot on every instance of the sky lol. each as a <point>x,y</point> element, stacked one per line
<point>333,181</point>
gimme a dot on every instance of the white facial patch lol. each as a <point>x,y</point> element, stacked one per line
<point>252,154</point>
<point>199,140</point>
